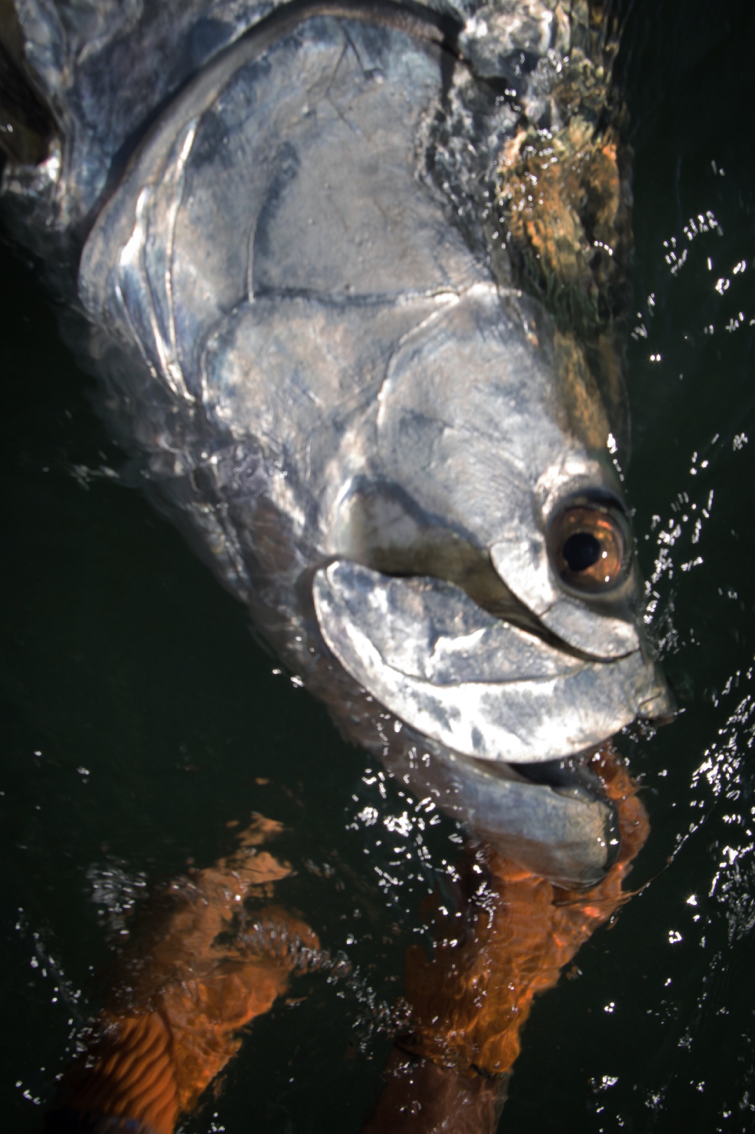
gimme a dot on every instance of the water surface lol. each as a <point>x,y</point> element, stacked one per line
<point>139,716</point>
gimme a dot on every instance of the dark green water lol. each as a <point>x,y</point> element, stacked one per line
<point>137,713</point>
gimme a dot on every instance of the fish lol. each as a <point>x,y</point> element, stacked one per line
<point>352,278</point>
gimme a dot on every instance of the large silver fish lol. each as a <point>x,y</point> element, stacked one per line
<point>350,277</point>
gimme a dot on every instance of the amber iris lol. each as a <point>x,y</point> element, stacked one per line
<point>588,547</point>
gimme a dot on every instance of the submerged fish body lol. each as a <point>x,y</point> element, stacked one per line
<point>289,258</point>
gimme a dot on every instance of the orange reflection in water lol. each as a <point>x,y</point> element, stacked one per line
<point>470,1002</point>
<point>201,972</point>
<point>205,968</point>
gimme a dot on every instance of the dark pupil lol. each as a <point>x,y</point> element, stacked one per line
<point>580,551</point>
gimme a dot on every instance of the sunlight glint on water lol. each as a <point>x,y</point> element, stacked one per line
<point>140,716</point>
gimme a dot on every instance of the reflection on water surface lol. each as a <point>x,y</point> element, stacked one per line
<point>140,719</point>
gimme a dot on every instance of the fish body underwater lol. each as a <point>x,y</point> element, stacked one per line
<point>351,279</point>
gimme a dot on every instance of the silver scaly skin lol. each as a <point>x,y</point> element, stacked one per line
<point>283,224</point>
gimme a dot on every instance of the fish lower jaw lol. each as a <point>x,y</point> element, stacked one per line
<point>553,818</point>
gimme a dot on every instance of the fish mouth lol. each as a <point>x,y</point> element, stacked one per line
<point>478,684</point>
<point>554,818</point>
<point>508,717</point>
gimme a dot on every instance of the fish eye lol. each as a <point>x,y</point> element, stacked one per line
<point>589,546</point>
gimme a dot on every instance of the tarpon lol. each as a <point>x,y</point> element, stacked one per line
<point>350,275</point>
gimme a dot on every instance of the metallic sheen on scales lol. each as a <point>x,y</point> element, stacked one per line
<point>302,315</point>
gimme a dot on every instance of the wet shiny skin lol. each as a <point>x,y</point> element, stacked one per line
<point>316,337</point>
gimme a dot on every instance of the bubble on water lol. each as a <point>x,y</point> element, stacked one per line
<point>115,890</point>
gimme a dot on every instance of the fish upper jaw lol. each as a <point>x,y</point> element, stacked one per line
<point>478,685</point>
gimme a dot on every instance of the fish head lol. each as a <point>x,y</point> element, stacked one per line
<point>485,584</point>
<point>399,460</point>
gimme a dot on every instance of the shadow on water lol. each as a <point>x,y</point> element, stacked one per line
<point>139,718</point>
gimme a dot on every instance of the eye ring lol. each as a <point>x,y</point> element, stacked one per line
<point>589,545</point>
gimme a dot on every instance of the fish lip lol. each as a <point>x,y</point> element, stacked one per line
<point>658,712</point>
<point>569,775</point>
